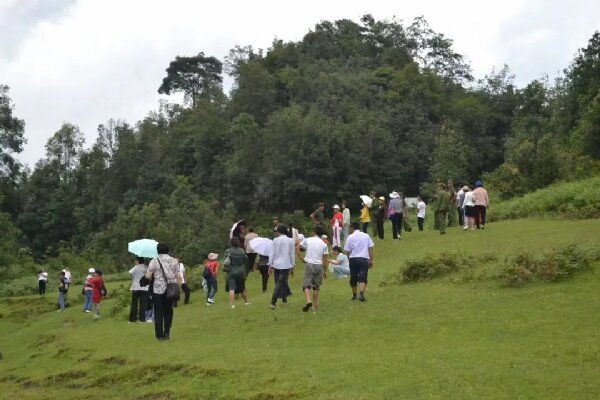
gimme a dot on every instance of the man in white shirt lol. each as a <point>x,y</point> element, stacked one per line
<point>315,259</point>
<point>281,260</point>
<point>139,294</point>
<point>359,249</point>
<point>421,207</point>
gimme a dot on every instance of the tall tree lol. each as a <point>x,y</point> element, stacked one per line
<point>196,76</point>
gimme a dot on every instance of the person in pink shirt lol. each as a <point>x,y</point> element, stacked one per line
<point>482,203</point>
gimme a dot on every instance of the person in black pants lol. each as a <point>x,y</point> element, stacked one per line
<point>381,211</point>
<point>164,269</point>
<point>263,267</point>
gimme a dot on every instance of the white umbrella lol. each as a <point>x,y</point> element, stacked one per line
<point>367,200</point>
<point>233,228</point>
<point>262,246</point>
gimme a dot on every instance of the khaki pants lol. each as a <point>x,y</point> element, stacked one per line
<point>441,220</point>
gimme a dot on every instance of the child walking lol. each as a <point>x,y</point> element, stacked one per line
<point>210,274</point>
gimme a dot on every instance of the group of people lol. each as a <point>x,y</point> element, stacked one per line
<point>464,207</point>
<point>164,270</point>
<point>152,299</point>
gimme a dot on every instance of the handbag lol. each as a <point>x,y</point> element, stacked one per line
<point>226,263</point>
<point>391,212</point>
<point>206,273</point>
<point>172,288</point>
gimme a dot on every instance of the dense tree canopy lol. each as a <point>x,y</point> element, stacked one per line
<point>352,107</point>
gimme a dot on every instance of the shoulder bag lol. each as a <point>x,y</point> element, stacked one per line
<point>172,288</point>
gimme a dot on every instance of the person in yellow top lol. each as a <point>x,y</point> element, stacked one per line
<point>365,217</point>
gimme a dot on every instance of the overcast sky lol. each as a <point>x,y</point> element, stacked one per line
<point>85,61</point>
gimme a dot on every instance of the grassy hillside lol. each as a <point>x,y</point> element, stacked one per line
<point>441,339</point>
<point>574,200</point>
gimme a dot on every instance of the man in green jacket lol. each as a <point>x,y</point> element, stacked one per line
<point>440,207</point>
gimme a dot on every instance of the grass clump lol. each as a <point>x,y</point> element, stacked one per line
<point>550,266</point>
<point>433,266</point>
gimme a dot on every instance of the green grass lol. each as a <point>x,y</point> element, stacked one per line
<point>439,339</point>
<point>574,200</point>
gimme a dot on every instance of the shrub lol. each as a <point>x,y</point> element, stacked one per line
<point>432,266</point>
<point>552,266</point>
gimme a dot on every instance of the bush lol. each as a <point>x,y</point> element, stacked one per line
<point>548,267</point>
<point>433,266</point>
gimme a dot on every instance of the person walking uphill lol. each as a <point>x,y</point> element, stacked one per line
<point>482,203</point>
<point>164,269</point>
<point>42,280</point>
<point>98,288</point>
<point>359,249</point>
<point>396,214</point>
<point>210,274</point>
<point>440,207</point>
<point>315,259</point>
<point>236,271</point>
<point>281,262</point>
<point>373,210</point>
<point>88,291</point>
<point>381,217</point>
<point>139,294</point>
<point>63,288</point>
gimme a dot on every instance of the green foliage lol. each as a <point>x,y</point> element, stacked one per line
<point>524,267</point>
<point>574,200</point>
<point>197,76</point>
<point>430,267</point>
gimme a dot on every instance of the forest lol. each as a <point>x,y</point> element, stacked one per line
<point>354,106</point>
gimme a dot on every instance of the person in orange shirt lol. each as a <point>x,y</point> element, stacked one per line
<point>337,224</point>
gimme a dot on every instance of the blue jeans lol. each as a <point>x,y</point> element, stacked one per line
<point>88,300</point>
<point>211,287</point>
<point>61,300</point>
<point>341,272</point>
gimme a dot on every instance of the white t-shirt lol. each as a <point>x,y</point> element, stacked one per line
<point>315,250</point>
<point>468,200</point>
<point>43,276</point>
<point>181,272</point>
<point>343,260</point>
<point>358,245</point>
<point>421,206</point>
<point>67,275</point>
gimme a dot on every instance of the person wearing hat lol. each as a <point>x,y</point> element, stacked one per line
<point>440,207</point>
<point>396,214</point>
<point>88,290</point>
<point>482,203</point>
<point>381,217</point>
<point>139,294</point>
<point>337,224</point>
<point>210,274</point>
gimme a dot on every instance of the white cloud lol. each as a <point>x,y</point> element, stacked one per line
<point>86,61</point>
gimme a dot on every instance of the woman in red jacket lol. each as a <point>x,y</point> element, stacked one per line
<point>98,285</point>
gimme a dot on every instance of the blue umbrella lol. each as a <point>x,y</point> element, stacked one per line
<point>143,248</point>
